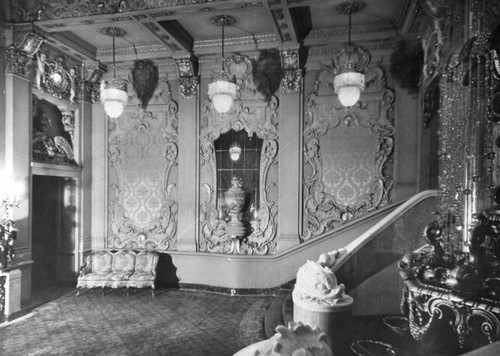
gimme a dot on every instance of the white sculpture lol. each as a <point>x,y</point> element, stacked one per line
<point>317,284</point>
<point>296,340</point>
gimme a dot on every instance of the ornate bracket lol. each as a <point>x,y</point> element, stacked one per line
<point>187,67</point>
<point>291,81</point>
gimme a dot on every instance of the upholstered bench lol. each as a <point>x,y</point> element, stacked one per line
<point>119,269</point>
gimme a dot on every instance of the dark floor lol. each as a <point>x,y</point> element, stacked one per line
<point>178,322</point>
<point>175,322</point>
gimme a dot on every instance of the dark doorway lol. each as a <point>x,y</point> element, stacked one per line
<point>53,231</point>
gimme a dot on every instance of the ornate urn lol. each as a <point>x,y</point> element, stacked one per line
<point>235,200</point>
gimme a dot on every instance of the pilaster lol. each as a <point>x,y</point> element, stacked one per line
<point>188,153</point>
<point>17,140</point>
<point>290,150</point>
<point>93,142</point>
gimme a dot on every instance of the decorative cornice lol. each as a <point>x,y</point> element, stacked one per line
<point>139,49</point>
<point>237,41</point>
<point>62,9</point>
<point>383,44</point>
<point>343,31</point>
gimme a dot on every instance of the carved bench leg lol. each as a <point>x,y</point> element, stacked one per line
<point>102,291</point>
<point>153,291</point>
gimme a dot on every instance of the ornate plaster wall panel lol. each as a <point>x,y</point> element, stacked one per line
<point>255,111</point>
<point>143,176</point>
<point>347,151</point>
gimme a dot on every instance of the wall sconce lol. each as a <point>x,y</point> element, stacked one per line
<point>349,63</point>
<point>114,94</point>
<point>235,152</point>
<point>222,88</point>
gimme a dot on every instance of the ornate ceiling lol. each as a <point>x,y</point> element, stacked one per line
<point>157,29</point>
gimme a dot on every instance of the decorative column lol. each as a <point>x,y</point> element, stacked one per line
<point>290,149</point>
<point>17,140</point>
<point>189,84</point>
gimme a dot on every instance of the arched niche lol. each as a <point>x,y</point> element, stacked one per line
<point>142,154</point>
<point>347,152</point>
<point>254,111</point>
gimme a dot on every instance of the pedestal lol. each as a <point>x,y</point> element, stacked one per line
<point>331,319</point>
<point>12,291</point>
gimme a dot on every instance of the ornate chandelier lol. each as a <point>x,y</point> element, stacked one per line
<point>114,94</point>
<point>349,63</point>
<point>222,88</point>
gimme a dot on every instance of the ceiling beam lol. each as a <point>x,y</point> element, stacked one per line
<point>170,33</point>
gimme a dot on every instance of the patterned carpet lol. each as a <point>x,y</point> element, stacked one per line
<point>175,322</point>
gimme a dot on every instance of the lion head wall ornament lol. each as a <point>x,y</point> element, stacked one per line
<point>144,78</point>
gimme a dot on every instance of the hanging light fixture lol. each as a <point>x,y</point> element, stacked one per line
<point>235,152</point>
<point>349,63</point>
<point>222,88</point>
<point>114,94</point>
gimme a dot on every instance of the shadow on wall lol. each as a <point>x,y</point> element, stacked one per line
<point>166,273</point>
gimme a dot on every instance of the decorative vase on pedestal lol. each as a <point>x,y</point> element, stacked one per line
<point>235,200</point>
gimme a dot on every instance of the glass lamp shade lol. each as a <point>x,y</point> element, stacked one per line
<point>222,93</point>
<point>114,97</point>
<point>235,152</point>
<point>348,87</point>
<point>349,96</point>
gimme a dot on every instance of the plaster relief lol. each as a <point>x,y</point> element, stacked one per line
<point>346,154</point>
<point>143,177</point>
<point>255,111</point>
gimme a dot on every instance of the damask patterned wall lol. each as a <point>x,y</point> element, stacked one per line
<point>347,151</point>
<point>143,176</point>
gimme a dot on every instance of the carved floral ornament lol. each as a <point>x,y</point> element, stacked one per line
<point>346,154</point>
<point>292,73</point>
<point>143,152</point>
<point>256,112</point>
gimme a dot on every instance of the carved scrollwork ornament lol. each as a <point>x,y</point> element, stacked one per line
<point>425,310</point>
<point>292,81</point>
<point>188,87</point>
<point>17,62</point>
<point>257,117</point>
<point>143,150</point>
<point>326,205</point>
